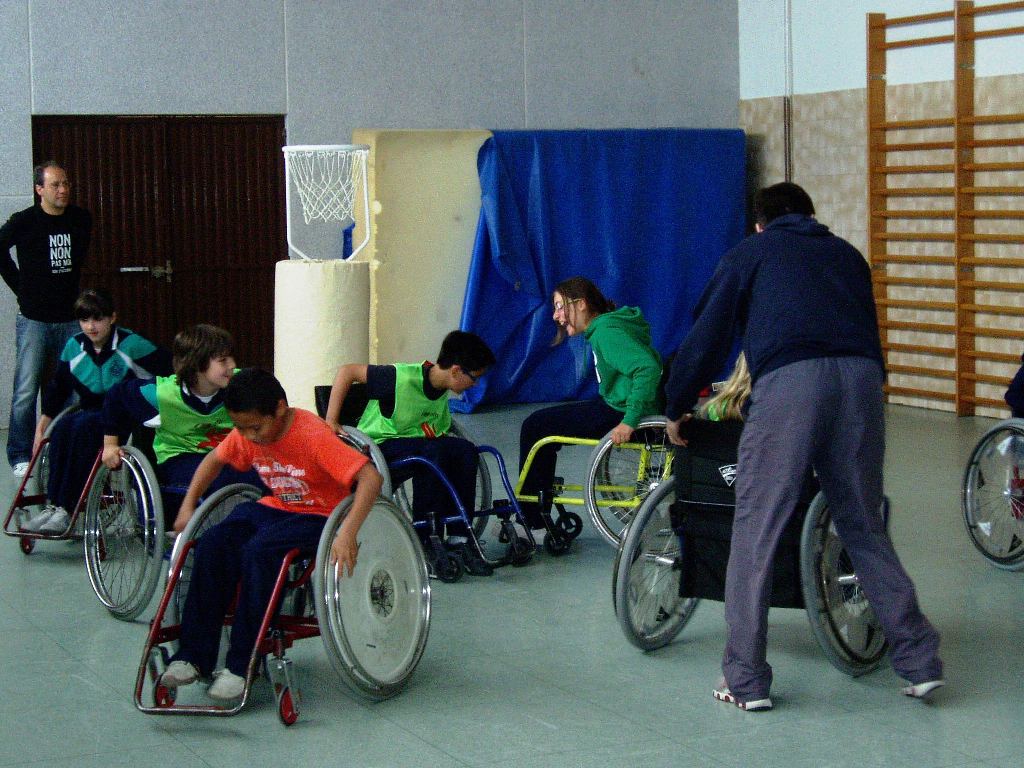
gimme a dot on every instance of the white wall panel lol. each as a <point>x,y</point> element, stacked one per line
<point>636,64</point>
<point>394,64</point>
<point>158,57</point>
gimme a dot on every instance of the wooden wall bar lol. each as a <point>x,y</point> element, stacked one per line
<point>938,250</point>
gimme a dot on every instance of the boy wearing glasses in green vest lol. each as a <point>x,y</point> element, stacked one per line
<point>407,415</point>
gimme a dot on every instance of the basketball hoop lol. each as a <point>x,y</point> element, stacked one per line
<point>327,178</point>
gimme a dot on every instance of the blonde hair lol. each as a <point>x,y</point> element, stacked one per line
<point>728,402</point>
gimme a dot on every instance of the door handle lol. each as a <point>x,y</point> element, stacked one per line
<point>158,272</point>
<point>165,271</point>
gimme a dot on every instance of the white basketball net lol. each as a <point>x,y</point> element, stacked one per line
<point>327,178</point>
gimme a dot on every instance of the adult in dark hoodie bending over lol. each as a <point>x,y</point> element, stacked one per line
<point>800,298</point>
<point>628,374</point>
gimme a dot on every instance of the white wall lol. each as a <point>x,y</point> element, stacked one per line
<point>829,45</point>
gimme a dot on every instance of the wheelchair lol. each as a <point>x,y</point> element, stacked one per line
<point>509,542</point>
<point>992,495</point>
<point>124,528</point>
<point>373,624</point>
<point>618,480</point>
<point>675,553</point>
<point>123,534</point>
<point>31,496</point>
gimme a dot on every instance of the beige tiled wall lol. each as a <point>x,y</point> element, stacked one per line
<point>830,162</point>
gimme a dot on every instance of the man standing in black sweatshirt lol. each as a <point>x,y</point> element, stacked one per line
<point>801,300</point>
<point>51,239</point>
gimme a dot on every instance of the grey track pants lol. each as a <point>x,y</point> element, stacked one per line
<point>826,413</point>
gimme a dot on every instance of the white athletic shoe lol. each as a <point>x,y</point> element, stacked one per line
<point>20,469</point>
<point>179,673</point>
<point>722,693</point>
<point>923,690</point>
<point>57,522</point>
<point>226,686</point>
<point>35,523</point>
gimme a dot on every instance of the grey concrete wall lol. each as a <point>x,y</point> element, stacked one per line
<point>335,66</point>
<point>15,162</point>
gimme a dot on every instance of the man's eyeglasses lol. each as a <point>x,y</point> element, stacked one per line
<point>561,306</point>
<point>472,378</point>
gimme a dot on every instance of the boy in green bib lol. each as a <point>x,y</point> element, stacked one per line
<point>407,415</point>
<point>186,409</point>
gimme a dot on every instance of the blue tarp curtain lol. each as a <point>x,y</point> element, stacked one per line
<point>645,214</point>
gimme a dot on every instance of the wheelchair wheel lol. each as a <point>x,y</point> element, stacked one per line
<point>483,486</point>
<point>992,495</point>
<point>365,445</point>
<point>124,535</point>
<point>841,617</point>
<point>214,508</point>
<point>645,580</point>
<point>620,478</point>
<point>41,475</point>
<point>374,623</point>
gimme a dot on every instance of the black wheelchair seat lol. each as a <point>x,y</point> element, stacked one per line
<point>705,471</point>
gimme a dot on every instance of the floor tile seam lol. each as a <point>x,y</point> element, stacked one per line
<point>956,756</point>
<point>47,706</point>
<point>808,759</point>
<point>637,736</point>
<point>901,728</point>
<point>598,747</point>
<point>428,742</point>
<point>772,723</point>
<point>190,748</point>
<point>595,701</point>
<point>67,758</point>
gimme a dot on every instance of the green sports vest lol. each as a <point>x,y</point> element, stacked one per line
<point>182,429</point>
<point>412,409</point>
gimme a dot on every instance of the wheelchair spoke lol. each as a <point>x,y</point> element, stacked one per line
<point>840,614</point>
<point>621,477</point>
<point>124,536</point>
<point>647,600</point>
<point>993,495</point>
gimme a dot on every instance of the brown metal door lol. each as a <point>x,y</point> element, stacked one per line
<point>117,170</point>
<point>188,217</point>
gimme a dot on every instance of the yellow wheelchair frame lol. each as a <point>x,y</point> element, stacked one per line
<point>618,479</point>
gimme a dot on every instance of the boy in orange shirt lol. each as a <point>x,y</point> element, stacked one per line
<point>308,471</point>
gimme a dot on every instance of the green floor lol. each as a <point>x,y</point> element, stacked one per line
<point>529,667</point>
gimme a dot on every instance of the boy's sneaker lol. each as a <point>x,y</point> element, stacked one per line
<point>722,693</point>
<point>179,673</point>
<point>226,686</point>
<point>20,469</point>
<point>57,522</point>
<point>923,690</point>
<point>35,523</point>
<point>475,565</point>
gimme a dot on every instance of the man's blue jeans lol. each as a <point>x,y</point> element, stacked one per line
<point>38,345</point>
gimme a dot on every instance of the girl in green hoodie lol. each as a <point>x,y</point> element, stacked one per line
<point>628,374</point>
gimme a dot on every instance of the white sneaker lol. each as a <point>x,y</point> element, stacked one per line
<point>922,690</point>
<point>722,693</point>
<point>226,685</point>
<point>20,469</point>
<point>57,522</point>
<point>35,523</point>
<point>179,673</point>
